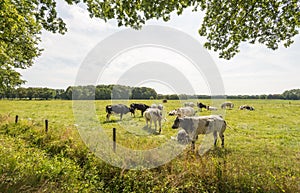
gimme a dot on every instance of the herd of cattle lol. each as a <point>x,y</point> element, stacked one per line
<point>191,125</point>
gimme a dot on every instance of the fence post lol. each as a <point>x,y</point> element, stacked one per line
<point>16,120</point>
<point>46,126</point>
<point>114,139</point>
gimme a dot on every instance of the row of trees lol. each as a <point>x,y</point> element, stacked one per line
<point>105,92</point>
<point>90,92</point>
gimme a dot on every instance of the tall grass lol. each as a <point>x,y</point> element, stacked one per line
<point>261,154</point>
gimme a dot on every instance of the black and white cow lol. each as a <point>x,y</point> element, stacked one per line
<point>247,107</point>
<point>141,107</point>
<point>201,105</point>
<point>117,109</point>
<point>172,113</point>
<point>202,125</point>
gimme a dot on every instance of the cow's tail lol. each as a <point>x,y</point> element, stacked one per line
<point>230,126</point>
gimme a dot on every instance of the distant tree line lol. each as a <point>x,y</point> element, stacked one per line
<point>105,92</point>
<point>90,92</point>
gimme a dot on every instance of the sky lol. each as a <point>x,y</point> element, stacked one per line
<point>254,70</point>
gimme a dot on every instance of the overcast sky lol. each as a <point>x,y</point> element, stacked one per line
<point>255,70</point>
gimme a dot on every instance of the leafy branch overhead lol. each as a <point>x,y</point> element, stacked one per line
<point>227,23</point>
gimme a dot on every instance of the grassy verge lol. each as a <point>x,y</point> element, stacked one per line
<point>261,154</point>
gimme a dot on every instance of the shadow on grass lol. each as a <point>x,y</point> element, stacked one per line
<point>220,152</point>
<point>111,121</point>
<point>150,130</point>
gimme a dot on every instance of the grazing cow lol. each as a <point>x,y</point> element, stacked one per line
<point>247,107</point>
<point>210,108</point>
<point>118,109</point>
<point>159,106</point>
<point>230,105</point>
<point>202,125</point>
<point>189,104</point>
<point>141,107</point>
<point>165,101</point>
<point>153,115</point>
<point>201,105</point>
<point>185,111</point>
<point>182,137</point>
<point>172,113</point>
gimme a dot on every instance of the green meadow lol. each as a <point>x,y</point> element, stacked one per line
<point>261,153</point>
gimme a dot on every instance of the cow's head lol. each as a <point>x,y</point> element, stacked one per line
<point>133,105</point>
<point>131,109</point>
<point>176,123</point>
<point>185,123</point>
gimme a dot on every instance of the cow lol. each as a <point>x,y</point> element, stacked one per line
<point>159,106</point>
<point>153,115</point>
<point>230,105</point>
<point>202,125</point>
<point>182,137</point>
<point>247,107</point>
<point>185,111</point>
<point>201,105</point>
<point>118,109</point>
<point>189,104</point>
<point>210,108</point>
<point>141,107</point>
<point>172,113</point>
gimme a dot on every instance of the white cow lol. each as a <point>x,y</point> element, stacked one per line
<point>182,137</point>
<point>228,104</point>
<point>159,106</point>
<point>202,125</point>
<point>210,108</point>
<point>185,111</point>
<point>189,104</point>
<point>153,115</point>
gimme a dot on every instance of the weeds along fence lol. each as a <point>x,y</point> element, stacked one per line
<point>46,129</point>
<point>46,123</point>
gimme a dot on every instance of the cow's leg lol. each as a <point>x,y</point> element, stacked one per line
<point>215,138</point>
<point>159,122</point>
<point>155,125</point>
<point>142,112</point>
<point>193,145</point>
<point>107,116</point>
<point>121,116</point>
<point>146,121</point>
<point>222,138</point>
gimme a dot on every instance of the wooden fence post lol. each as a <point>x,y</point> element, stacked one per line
<point>114,139</point>
<point>46,126</point>
<point>16,120</point>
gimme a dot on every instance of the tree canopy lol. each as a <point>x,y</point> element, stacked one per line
<point>21,22</point>
<point>227,23</point>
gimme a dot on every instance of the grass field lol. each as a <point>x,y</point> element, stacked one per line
<point>261,154</point>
